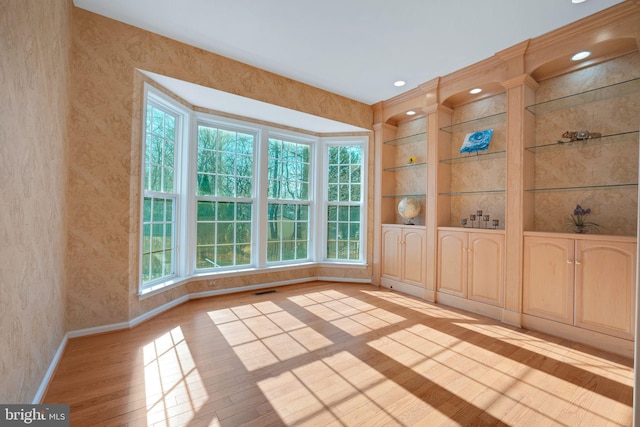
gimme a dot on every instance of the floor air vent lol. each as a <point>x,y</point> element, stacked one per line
<point>270,291</point>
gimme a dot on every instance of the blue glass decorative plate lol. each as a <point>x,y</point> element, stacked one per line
<point>476,141</point>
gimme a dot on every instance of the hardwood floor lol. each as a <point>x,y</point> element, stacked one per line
<point>332,354</point>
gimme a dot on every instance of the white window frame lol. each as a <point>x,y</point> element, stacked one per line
<point>185,178</point>
<point>235,126</point>
<point>313,146</point>
<point>182,116</point>
<point>322,224</point>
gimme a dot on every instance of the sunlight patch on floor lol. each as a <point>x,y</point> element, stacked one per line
<point>173,387</point>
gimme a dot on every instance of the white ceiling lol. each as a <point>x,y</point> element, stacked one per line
<point>355,48</point>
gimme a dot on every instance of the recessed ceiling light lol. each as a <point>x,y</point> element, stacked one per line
<point>578,1</point>
<point>474,91</point>
<point>400,83</point>
<point>411,113</point>
<point>580,55</point>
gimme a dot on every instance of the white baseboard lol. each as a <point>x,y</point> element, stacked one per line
<point>44,384</point>
<point>161,309</point>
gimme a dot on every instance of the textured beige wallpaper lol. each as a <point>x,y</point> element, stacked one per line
<point>105,156</point>
<point>34,76</point>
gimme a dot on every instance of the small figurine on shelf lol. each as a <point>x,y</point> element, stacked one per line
<point>463,221</point>
<point>578,223</point>
<point>496,222</point>
<point>412,160</point>
<point>485,218</point>
<point>472,218</point>
<point>580,135</point>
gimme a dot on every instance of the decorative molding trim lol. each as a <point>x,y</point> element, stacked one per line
<point>158,310</point>
<point>524,79</point>
<point>578,28</point>
<point>165,307</point>
<point>404,97</point>
<point>44,384</point>
<point>98,330</point>
<point>512,318</point>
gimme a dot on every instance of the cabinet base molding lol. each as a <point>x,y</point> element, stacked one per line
<point>512,318</point>
<point>430,295</point>
<point>415,291</point>
<point>597,340</point>
<point>469,305</point>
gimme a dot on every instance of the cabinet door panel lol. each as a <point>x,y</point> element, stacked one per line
<point>414,257</point>
<point>605,287</point>
<point>548,280</point>
<point>391,238</point>
<point>486,268</point>
<point>452,263</point>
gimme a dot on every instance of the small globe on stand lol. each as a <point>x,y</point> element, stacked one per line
<point>409,208</point>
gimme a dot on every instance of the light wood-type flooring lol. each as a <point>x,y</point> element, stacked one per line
<point>332,354</point>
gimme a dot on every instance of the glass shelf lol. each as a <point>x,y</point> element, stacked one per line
<point>611,91</point>
<point>477,156</point>
<point>400,196</point>
<point>603,140</point>
<point>466,193</point>
<point>584,187</point>
<point>476,124</point>
<point>407,139</point>
<point>407,166</point>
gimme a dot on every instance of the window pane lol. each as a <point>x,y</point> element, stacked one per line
<point>206,161</point>
<point>243,212</point>
<point>225,163</point>
<point>287,231</point>
<point>206,185</point>
<point>206,234</point>
<point>226,211</point>
<point>206,211</point>
<point>243,254</point>
<point>333,174</point>
<point>223,234</point>
<point>344,185</point>
<point>355,192</point>
<point>158,242</point>
<point>159,150</point>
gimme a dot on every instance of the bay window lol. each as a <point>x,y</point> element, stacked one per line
<point>223,195</point>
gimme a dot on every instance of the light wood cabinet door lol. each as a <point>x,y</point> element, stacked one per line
<point>391,252</point>
<point>605,287</point>
<point>548,282</point>
<point>452,263</point>
<point>414,256</point>
<point>486,268</point>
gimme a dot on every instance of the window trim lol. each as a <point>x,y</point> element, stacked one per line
<point>165,103</point>
<point>185,176</point>
<point>338,141</point>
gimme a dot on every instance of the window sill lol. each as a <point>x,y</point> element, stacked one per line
<point>180,281</point>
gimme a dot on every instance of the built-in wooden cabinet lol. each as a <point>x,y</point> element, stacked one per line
<point>586,282</point>
<point>529,271</point>
<point>403,258</point>
<point>548,284</point>
<point>471,265</point>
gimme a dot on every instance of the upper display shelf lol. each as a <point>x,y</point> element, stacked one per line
<point>476,124</point>
<point>418,137</point>
<point>610,91</point>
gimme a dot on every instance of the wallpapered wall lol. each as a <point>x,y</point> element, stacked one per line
<point>35,41</point>
<point>105,157</point>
